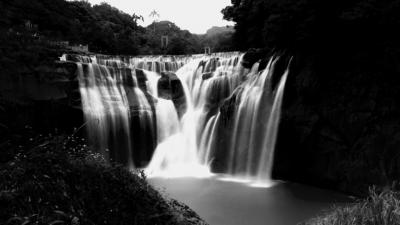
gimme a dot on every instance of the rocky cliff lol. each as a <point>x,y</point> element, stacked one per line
<point>340,127</point>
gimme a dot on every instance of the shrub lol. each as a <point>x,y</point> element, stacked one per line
<point>377,209</point>
<point>60,181</point>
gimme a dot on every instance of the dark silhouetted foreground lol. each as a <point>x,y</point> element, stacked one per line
<point>58,181</point>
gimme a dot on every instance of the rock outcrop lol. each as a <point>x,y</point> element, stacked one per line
<point>170,88</point>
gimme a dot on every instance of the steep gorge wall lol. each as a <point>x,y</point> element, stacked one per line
<point>340,128</point>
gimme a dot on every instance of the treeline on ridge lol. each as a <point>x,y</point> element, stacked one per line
<point>103,27</point>
<point>353,31</point>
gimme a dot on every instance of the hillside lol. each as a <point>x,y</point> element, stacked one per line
<point>219,39</point>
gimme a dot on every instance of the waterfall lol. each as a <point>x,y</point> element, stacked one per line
<point>105,106</point>
<point>183,115</point>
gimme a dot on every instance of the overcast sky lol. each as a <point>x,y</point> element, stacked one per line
<point>194,15</point>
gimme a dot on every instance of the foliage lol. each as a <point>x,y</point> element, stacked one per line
<point>356,26</point>
<point>21,53</point>
<point>219,39</point>
<point>183,42</point>
<point>179,41</point>
<point>58,180</point>
<point>377,209</point>
<point>104,28</point>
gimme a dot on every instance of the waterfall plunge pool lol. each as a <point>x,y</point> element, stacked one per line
<point>221,202</point>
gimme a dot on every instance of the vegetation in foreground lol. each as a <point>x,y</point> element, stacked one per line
<point>59,181</point>
<point>377,209</point>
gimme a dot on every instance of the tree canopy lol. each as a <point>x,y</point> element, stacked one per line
<point>312,25</point>
<point>104,28</point>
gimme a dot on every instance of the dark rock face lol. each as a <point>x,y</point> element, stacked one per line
<point>45,98</point>
<point>141,79</point>
<point>46,82</point>
<point>170,88</point>
<point>143,121</point>
<point>252,56</point>
<point>207,76</point>
<point>144,137</point>
<point>339,129</point>
<point>227,110</point>
<point>229,106</point>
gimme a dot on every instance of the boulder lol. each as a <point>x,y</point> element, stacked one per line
<point>141,79</point>
<point>170,88</point>
<point>252,56</point>
<point>206,76</point>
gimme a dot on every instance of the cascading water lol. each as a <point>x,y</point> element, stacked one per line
<point>105,106</point>
<point>198,113</point>
<point>255,126</point>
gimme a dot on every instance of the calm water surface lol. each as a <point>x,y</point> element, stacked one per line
<point>228,203</point>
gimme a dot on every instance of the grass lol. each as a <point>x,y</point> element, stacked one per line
<point>378,209</point>
<point>60,181</point>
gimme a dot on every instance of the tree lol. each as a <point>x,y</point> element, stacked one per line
<point>309,25</point>
<point>155,17</point>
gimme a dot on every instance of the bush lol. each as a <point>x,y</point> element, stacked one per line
<point>377,209</point>
<point>60,181</point>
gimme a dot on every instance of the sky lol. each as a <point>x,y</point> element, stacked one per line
<point>197,16</point>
